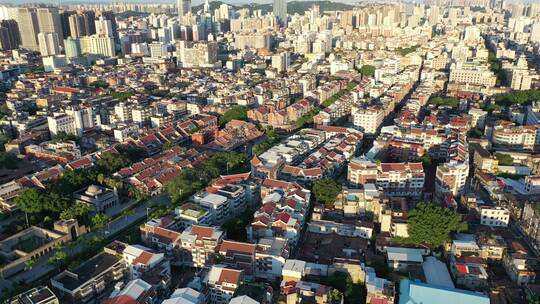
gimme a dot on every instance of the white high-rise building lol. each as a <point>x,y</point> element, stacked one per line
<point>183,6</point>
<point>535,32</point>
<point>98,45</point>
<point>49,22</point>
<point>472,34</point>
<point>28,27</point>
<point>451,177</point>
<point>368,120</point>
<point>104,27</point>
<point>280,11</point>
<point>49,44</point>
<point>83,118</point>
<point>281,61</point>
<point>73,121</point>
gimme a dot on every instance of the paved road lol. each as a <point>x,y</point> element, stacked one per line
<point>42,267</point>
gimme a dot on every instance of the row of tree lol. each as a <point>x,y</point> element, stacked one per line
<point>272,138</point>
<point>192,180</point>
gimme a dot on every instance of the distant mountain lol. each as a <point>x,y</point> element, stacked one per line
<point>293,7</point>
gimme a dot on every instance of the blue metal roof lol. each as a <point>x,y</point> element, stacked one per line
<point>412,292</point>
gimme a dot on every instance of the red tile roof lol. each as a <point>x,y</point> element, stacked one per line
<point>202,231</point>
<point>143,258</point>
<point>231,246</point>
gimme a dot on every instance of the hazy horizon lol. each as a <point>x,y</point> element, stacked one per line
<point>195,2</point>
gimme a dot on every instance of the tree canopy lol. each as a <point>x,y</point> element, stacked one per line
<point>475,133</point>
<point>191,180</point>
<point>367,70</point>
<point>517,97</point>
<point>326,190</point>
<point>8,161</point>
<point>236,112</point>
<point>62,136</point>
<point>307,119</point>
<point>236,227</point>
<point>36,200</point>
<point>342,281</point>
<point>444,101</point>
<point>121,96</point>
<point>100,220</point>
<point>408,50</point>
<point>504,159</point>
<point>99,84</point>
<point>431,225</point>
<point>272,138</point>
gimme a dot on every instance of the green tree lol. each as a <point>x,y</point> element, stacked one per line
<point>30,201</point>
<point>352,293</point>
<point>100,220</point>
<point>517,97</point>
<point>99,84</point>
<point>109,163</point>
<point>62,136</point>
<point>29,264</point>
<point>272,139</point>
<point>167,146</point>
<point>236,227</point>
<point>191,180</point>
<point>367,70</point>
<point>408,50</point>
<point>426,160</point>
<point>504,159</point>
<point>78,211</point>
<point>326,190</point>
<point>8,161</point>
<point>4,111</point>
<point>236,112</point>
<point>307,119</point>
<point>475,133</point>
<point>59,259</point>
<point>121,96</point>
<point>444,101</point>
<point>431,225</point>
<point>132,153</point>
<point>335,296</point>
<point>56,202</point>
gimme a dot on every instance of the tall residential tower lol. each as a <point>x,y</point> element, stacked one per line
<point>183,6</point>
<point>280,11</point>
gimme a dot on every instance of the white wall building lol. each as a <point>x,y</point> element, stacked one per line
<point>494,216</point>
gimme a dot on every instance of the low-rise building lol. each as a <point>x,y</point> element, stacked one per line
<point>396,179</point>
<point>198,244</point>
<point>98,198</point>
<point>411,292</point>
<point>221,283</point>
<point>270,256</point>
<point>379,290</point>
<point>185,296</point>
<point>89,281</point>
<point>400,258</point>
<point>239,255</point>
<point>469,271</point>
<point>518,266</point>
<point>494,216</point>
<point>136,292</point>
<point>37,295</point>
